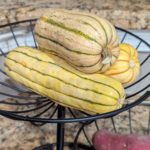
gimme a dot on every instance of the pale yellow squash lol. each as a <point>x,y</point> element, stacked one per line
<point>87,42</point>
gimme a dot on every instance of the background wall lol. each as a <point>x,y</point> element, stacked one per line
<point>133,14</point>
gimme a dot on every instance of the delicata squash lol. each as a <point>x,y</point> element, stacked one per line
<point>87,42</point>
<point>52,77</point>
<point>127,67</point>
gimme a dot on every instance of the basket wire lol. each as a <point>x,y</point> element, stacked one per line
<point>40,110</point>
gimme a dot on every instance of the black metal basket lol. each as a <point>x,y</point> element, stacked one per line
<point>40,110</point>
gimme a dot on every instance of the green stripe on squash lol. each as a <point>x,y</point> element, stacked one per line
<point>52,52</point>
<point>89,101</point>
<point>93,19</point>
<point>44,74</point>
<point>70,50</point>
<point>61,25</point>
<point>69,71</point>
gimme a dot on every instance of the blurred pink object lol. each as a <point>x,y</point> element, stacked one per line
<point>104,140</point>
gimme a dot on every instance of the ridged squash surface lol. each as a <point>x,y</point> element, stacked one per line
<point>54,78</point>
<point>87,42</point>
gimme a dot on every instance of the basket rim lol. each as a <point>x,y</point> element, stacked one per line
<point>35,19</point>
<point>11,115</point>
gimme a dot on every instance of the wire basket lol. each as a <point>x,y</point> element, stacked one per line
<point>19,103</point>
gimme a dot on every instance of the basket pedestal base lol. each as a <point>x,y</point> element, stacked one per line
<point>67,145</point>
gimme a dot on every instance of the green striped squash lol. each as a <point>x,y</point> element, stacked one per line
<point>52,77</point>
<point>87,42</point>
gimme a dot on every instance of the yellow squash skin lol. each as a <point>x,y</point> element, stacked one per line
<point>87,42</point>
<point>52,77</point>
<point>127,67</point>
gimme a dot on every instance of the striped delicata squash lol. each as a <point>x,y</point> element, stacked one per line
<point>127,67</point>
<point>89,43</point>
<point>52,77</point>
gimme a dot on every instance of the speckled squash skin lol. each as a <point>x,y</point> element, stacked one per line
<point>87,42</point>
<point>127,67</point>
<point>52,77</point>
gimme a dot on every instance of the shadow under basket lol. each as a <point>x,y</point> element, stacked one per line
<point>19,103</point>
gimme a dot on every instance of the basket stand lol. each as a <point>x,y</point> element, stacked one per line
<point>60,128</point>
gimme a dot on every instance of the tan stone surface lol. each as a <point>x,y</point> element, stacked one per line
<point>133,14</point>
<point>18,135</point>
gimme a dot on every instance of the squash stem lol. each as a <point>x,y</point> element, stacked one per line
<point>132,64</point>
<point>106,56</point>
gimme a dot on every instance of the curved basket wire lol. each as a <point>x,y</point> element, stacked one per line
<point>20,103</point>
